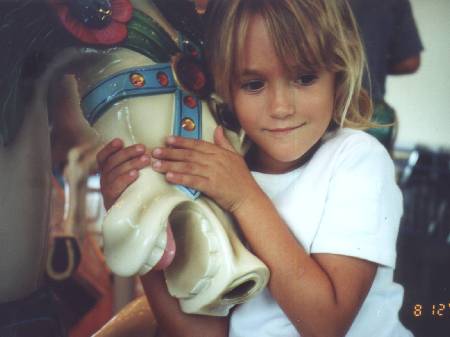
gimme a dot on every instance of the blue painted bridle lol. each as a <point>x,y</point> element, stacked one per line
<point>148,81</point>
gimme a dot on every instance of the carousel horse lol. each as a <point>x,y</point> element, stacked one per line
<point>76,270</point>
<point>26,304</point>
<point>139,77</point>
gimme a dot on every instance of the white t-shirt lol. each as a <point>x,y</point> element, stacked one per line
<point>345,201</point>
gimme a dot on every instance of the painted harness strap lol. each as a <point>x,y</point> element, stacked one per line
<point>147,81</point>
<point>151,80</point>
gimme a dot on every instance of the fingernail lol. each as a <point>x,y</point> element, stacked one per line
<point>157,151</point>
<point>116,142</point>
<point>157,164</point>
<point>144,158</point>
<point>133,173</point>
<point>169,175</point>
<point>171,139</point>
<point>140,148</point>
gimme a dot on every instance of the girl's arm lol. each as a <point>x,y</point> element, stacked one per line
<point>172,322</point>
<point>322,293</point>
<point>119,167</point>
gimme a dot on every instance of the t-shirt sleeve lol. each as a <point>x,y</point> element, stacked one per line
<point>405,40</point>
<point>363,206</point>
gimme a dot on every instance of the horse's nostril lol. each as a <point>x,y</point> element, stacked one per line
<point>240,291</point>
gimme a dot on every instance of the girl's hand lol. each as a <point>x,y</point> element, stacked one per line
<point>119,167</point>
<point>214,169</point>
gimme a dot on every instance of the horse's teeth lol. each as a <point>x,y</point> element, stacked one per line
<point>213,243</point>
<point>201,284</point>
<point>161,240</point>
<point>155,256</point>
<point>213,266</point>
<point>213,247</point>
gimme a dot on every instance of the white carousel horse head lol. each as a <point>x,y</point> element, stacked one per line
<point>126,94</point>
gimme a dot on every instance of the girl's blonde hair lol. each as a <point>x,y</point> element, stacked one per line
<point>316,34</point>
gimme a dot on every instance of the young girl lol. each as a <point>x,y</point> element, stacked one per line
<point>315,199</point>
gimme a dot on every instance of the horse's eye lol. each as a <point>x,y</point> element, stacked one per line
<point>191,76</point>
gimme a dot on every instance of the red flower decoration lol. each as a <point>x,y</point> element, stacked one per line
<point>115,32</point>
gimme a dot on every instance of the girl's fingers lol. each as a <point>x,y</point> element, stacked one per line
<point>192,144</point>
<point>111,192</point>
<point>192,181</point>
<point>122,156</point>
<point>176,154</point>
<point>181,167</point>
<point>109,149</point>
<point>133,164</point>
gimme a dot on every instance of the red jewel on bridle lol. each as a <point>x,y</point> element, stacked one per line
<point>162,78</point>
<point>190,101</point>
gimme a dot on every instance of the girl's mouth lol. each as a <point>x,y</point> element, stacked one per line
<point>285,129</point>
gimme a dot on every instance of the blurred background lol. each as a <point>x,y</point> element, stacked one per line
<point>422,155</point>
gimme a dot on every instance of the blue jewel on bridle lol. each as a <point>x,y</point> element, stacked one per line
<point>92,13</point>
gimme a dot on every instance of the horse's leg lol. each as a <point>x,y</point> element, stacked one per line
<point>134,320</point>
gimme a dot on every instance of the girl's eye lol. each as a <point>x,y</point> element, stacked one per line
<point>306,80</point>
<point>253,85</point>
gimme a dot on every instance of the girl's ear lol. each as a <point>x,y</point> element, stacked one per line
<point>228,117</point>
<point>222,139</point>
<point>244,141</point>
<point>238,140</point>
<point>222,113</point>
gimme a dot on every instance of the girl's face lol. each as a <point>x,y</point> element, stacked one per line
<point>284,114</point>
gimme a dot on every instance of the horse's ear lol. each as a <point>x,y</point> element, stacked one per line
<point>183,16</point>
<point>28,39</point>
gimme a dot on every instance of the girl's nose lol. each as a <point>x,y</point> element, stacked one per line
<point>283,102</point>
